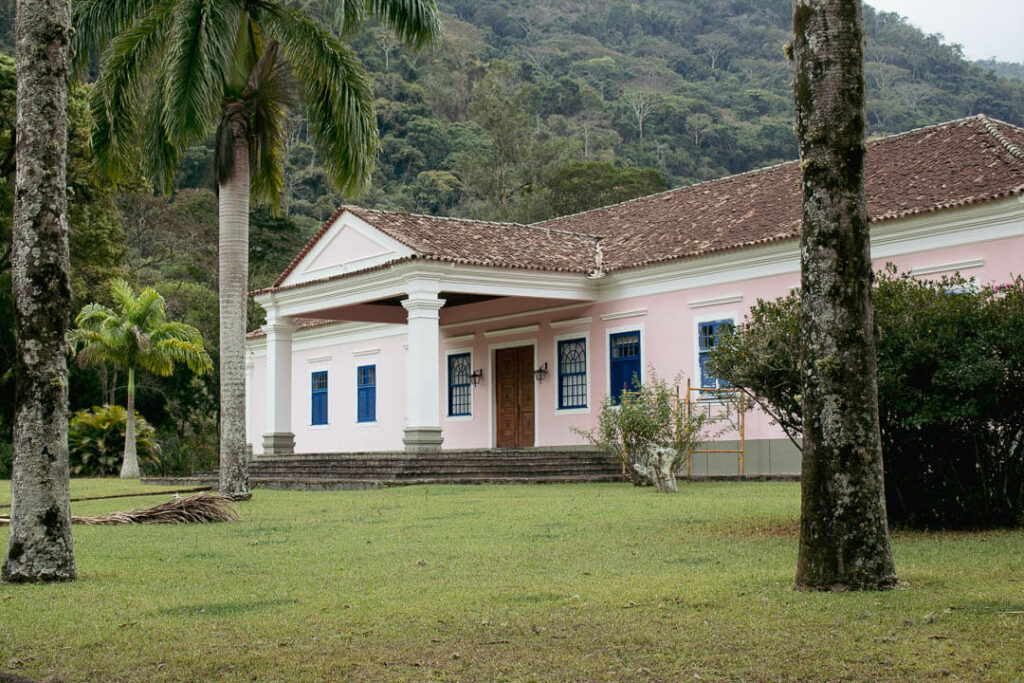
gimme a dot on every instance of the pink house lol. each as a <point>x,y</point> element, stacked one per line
<point>392,331</point>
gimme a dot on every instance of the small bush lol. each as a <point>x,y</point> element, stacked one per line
<point>96,442</point>
<point>646,422</point>
<point>183,456</point>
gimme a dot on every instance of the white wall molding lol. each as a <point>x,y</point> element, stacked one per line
<point>523,329</point>
<point>461,339</point>
<point>625,314</point>
<point>948,267</point>
<point>571,322</point>
<point>705,303</point>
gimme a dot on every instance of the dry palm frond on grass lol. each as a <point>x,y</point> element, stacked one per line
<point>200,509</point>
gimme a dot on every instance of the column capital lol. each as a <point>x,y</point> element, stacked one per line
<point>422,288</point>
<point>279,326</point>
<point>423,308</point>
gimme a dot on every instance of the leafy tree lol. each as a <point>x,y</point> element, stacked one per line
<point>228,65</point>
<point>40,546</point>
<point>844,537</point>
<point>590,184</point>
<point>950,374</point>
<point>136,336</point>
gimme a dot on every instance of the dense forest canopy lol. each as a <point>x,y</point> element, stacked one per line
<point>529,109</point>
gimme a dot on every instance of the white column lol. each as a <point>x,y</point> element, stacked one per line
<point>279,438</point>
<point>422,363</point>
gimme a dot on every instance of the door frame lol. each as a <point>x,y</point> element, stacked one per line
<point>493,399</point>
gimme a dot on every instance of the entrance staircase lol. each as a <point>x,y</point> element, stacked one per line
<point>321,471</point>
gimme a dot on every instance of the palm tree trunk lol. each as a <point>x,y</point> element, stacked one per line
<point>234,280</point>
<point>130,464</point>
<point>844,538</point>
<point>40,547</point>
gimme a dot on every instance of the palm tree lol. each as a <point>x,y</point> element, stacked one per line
<point>178,69</point>
<point>136,336</point>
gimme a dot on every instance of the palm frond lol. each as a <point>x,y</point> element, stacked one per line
<point>415,22</point>
<point>193,355</point>
<point>335,90</point>
<point>115,100</point>
<point>200,509</point>
<point>98,22</point>
<point>344,16</point>
<point>92,316</point>
<point>160,155</point>
<point>201,44</point>
<point>268,94</point>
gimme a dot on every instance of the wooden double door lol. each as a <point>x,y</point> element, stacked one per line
<point>514,399</point>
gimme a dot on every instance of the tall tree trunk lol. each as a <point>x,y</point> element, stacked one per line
<point>234,280</point>
<point>130,464</point>
<point>844,537</point>
<point>40,547</point>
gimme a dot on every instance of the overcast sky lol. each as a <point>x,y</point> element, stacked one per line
<point>986,28</point>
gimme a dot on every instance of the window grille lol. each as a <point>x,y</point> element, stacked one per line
<point>572,373</point>
<point>707,337</point>
<point>460,388</point>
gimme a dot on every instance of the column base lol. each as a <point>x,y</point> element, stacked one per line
<point>279,443</point>
<point>422,439</point>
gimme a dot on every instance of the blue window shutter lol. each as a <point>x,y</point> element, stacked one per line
<point>624,363</point>
<point>366,393</point>
<point>318,409</point>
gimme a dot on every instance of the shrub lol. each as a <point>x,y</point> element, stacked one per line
<point>950,381</point>
<point>649,431</point>
<point>96,442</point>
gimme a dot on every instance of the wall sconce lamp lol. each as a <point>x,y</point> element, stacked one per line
<point>541,372</point>
<point>476,377</point>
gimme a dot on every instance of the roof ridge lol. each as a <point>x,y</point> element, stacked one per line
<point>1012,149</point>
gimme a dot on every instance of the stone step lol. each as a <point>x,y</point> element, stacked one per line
<point>399,468</point>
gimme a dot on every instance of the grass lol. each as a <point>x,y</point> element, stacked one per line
<point>578,582</point>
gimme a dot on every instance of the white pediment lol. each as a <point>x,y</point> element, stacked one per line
<point>350,244</point>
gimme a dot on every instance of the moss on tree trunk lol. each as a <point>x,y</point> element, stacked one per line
<point>40,546</point>
<point>844,539</point>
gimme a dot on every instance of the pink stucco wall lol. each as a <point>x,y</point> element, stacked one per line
<point>667,322</point>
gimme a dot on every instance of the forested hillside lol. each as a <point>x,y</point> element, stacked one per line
<point>529,109</point>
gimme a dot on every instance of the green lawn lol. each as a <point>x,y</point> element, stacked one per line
<point>577,582</point>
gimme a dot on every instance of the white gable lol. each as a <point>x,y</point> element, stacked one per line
<point>349,244</point>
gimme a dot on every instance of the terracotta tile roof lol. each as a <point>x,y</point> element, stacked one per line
<point>962,162</point>
<point>481,243</point>
<point>953,164</point>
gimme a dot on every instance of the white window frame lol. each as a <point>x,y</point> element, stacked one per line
<point>446,408</point>
<point>585,335</point>
<point>697,320</point>
<point>319,364</point>
<point>608,332</point>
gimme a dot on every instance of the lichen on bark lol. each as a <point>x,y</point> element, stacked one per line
<point>40,546</point>
<point>844,540</point>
